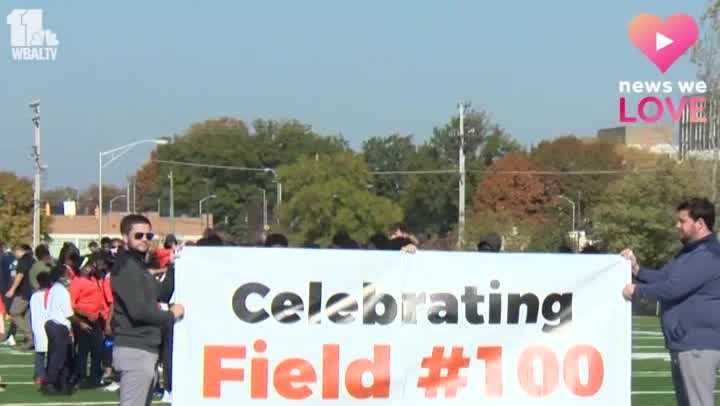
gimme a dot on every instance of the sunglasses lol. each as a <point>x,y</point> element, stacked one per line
<point>147,236</point>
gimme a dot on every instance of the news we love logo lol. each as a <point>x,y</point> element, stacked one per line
<point>663,43</point>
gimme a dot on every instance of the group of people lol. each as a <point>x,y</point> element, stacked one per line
<point>86,317</point>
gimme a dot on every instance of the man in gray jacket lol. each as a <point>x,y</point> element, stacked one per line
<point>137,320</point>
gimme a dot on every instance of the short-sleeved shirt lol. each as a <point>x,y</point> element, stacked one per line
<point>38,268</point>
<point>6,263</point>
<point>39,310</point>
<point>59,305</point>
<point>108,296</point>
<point>87,297</point>
<point>164,256</point>
<point>24,265</point>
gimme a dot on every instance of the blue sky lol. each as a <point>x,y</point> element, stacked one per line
<point>131,70</point>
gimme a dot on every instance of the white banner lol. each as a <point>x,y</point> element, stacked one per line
<point>313,327</point>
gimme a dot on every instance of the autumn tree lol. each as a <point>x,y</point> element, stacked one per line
<point>570,154</point>
<point>16,210</point>
<point>517,196</point>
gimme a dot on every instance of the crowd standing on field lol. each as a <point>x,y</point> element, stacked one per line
<point>104,319</point>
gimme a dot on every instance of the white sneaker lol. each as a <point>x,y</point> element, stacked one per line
<point>113,387</point>
<point>167,397</point>
<point>10,342</point>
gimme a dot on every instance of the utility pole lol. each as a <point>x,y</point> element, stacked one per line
<point>35,106</point>
<point>172,203</point>
<point>127,199</point>
<point>461,184</point>
<point>134,194</point>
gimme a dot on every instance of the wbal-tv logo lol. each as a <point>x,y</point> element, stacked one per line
<point>663,43</point>
<point>28,39</point>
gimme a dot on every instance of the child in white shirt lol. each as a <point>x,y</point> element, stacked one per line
<point>38,309</point>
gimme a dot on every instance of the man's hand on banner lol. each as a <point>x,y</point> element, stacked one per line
<point>630,256</point>
<point>409,249</point>
<point>629,291</point>
<point>177,310</point>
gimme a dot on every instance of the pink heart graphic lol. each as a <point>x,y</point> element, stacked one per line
<point>663,43</point>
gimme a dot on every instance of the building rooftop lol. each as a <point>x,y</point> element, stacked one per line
<point>185,227</point>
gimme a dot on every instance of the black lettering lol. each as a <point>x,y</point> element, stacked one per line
<point>564,313</point>
<point>370,302</point>
<point>495,304</point>
<point>471,299</point>
<point>532,308</point>
<point>239,302</point>
<point>315,302</point>
<point>339,307</point>
<point>409,307</point>
<point>285,307</point>
<point>449,308</point>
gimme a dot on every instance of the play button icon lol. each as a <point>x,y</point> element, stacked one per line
<point>661,41</point>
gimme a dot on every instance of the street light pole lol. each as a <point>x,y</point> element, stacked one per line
<point>278,192</point>
<point>115,154</point>
<point>172,203</point>
<point>113,201</point>
<point>265,223</point>
<point>575,236</point>
<point>35,106</point>
<point>201,211</point>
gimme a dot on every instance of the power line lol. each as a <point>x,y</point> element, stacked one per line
<point>547,173</point>
<point>568,173</point>
<point>427,171</point>
<point>211,166</point>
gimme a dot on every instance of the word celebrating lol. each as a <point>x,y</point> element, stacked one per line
<point>444,372</point>
<point>291,377</point>
<point>382,308</point>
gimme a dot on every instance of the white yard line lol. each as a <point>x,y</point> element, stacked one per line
<point>651,355</point>
<point>658,392</point>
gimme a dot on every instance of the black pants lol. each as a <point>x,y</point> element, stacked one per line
<point>89,344</point>
<point>59,356</point>
<point>166,355</point>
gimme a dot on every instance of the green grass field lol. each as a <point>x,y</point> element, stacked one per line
<point>651,382</point>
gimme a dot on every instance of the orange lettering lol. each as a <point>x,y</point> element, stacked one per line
<point>493,370</point>
<point>380,370</point>
<point>550,368</point>
<point>285,378</point>
<point>331,371</point>
<point>596,370</point>
<point>259,373</point>
<point>215,374</point>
